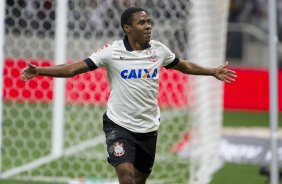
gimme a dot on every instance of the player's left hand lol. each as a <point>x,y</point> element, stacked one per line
<point>224,74</point>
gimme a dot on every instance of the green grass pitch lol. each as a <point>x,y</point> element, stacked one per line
<point>229,174</point>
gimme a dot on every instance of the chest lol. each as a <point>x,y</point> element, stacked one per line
<point>137,59</point>
<point>136,64</point>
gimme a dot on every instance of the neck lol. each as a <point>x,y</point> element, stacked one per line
<point>135,44</point>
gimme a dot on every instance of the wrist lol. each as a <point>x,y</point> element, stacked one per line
<point>39,71</point>
<point>213,72</point>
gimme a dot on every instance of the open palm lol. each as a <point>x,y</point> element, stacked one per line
<point>29,72</point>
<point>224,74</point>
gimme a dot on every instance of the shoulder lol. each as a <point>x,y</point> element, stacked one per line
<point>106,48</point>
<point>117,44</point>
<point>157,44</point>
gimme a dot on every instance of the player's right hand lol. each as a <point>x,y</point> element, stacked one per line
<point>29,72</point>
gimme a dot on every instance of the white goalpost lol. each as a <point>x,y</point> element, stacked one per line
<point>52,128</point>
<point>59,83</point>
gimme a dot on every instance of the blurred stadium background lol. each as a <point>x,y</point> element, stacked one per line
<point>27,107</point>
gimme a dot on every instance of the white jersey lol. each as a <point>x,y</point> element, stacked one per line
<point>134,81</point>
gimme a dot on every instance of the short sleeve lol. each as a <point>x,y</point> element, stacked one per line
<point>169,57</point>
<point>99,58</point>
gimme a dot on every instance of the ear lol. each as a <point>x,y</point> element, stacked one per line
<point>126,28</point>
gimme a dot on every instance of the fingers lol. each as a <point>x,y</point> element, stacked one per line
<point>229,78</point>
<point>25,74</point>
<point>231,73</point>
<point>29,72</point>
<point>31,65</point>
<point>224,65</point>
<point>226,81</point>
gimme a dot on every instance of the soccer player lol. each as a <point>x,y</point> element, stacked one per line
<point>133,116</point>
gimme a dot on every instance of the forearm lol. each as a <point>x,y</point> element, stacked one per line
<point>188,67</point>
<point>56,71</point>
<point>64,70</point>
<point>196,69</point>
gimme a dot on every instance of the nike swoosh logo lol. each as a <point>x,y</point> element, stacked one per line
<point>121,57</point>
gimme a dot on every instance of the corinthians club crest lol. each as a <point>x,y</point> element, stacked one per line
<point>152,55</point>
<point>117,149</point>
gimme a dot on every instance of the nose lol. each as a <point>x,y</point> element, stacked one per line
<point>148,25</point>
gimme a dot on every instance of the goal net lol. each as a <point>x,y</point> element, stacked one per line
<point>56,135</point>
<point>208,27</point>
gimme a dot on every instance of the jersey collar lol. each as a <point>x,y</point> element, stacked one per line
<point>128,46</point>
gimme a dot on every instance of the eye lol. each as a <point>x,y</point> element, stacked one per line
<point>142,22</point>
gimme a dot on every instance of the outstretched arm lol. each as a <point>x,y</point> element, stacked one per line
<point>221,72</point>
<point>64,70</point>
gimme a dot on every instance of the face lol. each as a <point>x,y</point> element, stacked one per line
<point>140,29</point>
